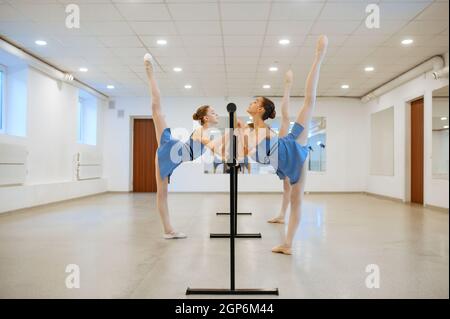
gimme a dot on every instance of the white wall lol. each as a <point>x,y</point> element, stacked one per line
<point>381,156</point>
<point>51,140</point>
<point>346,160</point>
<point>440,148</point>
<point>435,191</point>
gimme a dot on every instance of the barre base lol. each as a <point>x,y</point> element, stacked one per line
<point>212,291</point>
<point>255,235</point>
<point>222,214</point>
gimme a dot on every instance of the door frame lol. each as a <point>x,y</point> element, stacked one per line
<point>130,151</point>
<point>407,159</point>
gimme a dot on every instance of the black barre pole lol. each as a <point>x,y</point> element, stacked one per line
<point>231,108</point>
<point>237,213</point>
<point>234,189</point>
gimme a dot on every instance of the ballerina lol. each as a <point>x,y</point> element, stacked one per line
<point>287,153</point>
<point>172,152</point>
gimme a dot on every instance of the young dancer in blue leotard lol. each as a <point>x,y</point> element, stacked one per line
<point>172,152</point>
<point>290,151</point>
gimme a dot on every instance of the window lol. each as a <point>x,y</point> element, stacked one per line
<point>2,97</point>
<point>87,119</point>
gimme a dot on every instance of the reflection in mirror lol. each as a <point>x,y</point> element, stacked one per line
<point>316,140</point>
<point>440,134</point>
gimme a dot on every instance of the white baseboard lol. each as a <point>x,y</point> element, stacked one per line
<point>25,196</point>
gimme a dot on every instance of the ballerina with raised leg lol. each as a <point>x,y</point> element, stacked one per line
<point>166,160</point>
<point>303,119</point>
<point>288,153</point>
<point>284,130</point>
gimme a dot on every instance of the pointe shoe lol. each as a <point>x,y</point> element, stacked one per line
<point>148,61</point>
<point>281,249</point>
<point>175,235</point>
<point>288,78</point>
<point>148,57</point>
<point>276,220</point>
<point>321,47</point>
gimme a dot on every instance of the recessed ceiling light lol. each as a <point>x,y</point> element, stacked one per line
<point>161,42</point>
<point>266,86</point>
<point>273,69</point>
<point>284,41</point>
<point>369,69</point>
<point>177,69</point>
<point>443,118</point>
<point>345,86</point>
<point>445,126</point>
<point>110,87</point>
<point>41,42</point>
<point>83,69</point>
<point>188,86</point>
<point>407,41</point>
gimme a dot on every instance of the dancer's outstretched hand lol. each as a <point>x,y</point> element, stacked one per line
<point>240,123</point>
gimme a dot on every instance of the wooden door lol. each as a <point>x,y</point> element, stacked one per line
<point>144,150</point>
<point>417,151</point>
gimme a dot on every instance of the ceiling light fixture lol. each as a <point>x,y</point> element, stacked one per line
<point>345,86</point>
<point>266,86</point>
<point>369,69</point>
<point>188,86</point>
<point>41,42</point>
<point>443,118</point>
<point>83,69</point>
<point>407,41</point>
<point>273,69</point>
<point>177,69</point>
<point>284,41</point>
<point>110,87</point>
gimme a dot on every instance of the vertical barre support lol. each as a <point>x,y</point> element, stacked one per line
<point>231,108</point>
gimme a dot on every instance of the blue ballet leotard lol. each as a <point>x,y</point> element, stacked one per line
<point>291,155</point>
<point>172,152</point>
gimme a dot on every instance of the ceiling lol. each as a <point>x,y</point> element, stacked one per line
<point>442,92</point>
<point>226,47</point>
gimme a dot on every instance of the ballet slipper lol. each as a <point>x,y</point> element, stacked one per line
<point>276,220</point>
<point>282,249</point>
<point>148,57</point>
<point>288,78</point>
<point>174,235</point>
<point>148,61</point>
<point>321,47</point>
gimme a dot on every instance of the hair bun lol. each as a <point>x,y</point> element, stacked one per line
<point>273,114</point>
<point>195,116</point>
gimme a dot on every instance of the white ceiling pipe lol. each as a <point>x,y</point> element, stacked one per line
<point>435,63</point>
<point>441,74</point>
<point>48,69</point>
